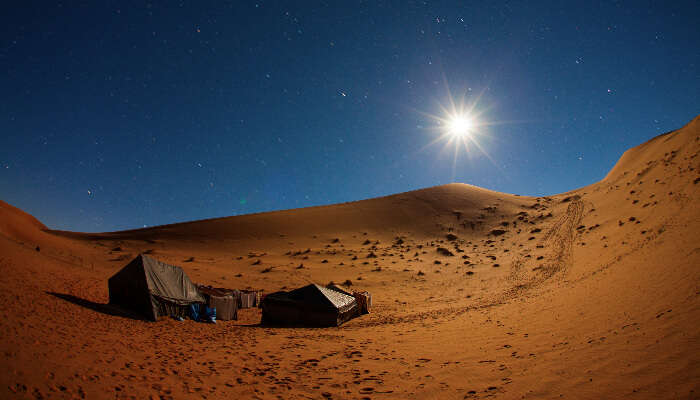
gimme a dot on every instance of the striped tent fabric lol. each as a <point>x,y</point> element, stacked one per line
<point>249,298</point>
<point>364,300</point>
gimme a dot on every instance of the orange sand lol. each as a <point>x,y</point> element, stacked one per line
<point>589,294</point>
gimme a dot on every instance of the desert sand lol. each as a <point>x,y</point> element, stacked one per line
<point>589,294</point>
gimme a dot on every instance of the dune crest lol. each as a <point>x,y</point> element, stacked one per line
<point>15,223</point>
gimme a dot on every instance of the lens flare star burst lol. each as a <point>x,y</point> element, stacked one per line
<point>460,126</point>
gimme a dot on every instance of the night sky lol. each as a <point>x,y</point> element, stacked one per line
<point>118,115</point>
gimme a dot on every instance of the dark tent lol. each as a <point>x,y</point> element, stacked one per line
<point>153,288</point>
<point>311,305</point>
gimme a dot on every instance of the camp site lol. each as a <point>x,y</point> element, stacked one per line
<point>153,289</point>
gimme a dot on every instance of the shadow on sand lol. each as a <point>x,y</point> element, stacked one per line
<point>116,311</point>
<point>99,307</point>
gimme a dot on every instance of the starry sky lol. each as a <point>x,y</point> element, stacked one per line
<point>117,115</point>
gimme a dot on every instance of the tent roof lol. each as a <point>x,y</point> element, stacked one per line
<point>338,299</point>
<point>319,295</point>
<point>168,281</point>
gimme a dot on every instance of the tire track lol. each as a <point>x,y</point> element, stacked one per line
<point>559,238</point>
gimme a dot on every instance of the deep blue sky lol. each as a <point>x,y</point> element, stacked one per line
<point>116,114</point>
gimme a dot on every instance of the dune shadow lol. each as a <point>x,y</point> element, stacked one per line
<point>108,309</point>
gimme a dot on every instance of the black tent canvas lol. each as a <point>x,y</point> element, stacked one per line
<point>153,288</point>
<point>311,305</point>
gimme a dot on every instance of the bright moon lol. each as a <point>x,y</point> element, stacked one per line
<point>460,126</point>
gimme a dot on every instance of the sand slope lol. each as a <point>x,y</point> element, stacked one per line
<point>593,293</point>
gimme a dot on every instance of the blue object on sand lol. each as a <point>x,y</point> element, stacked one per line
<point>194,311</point>
<point>209,314</point>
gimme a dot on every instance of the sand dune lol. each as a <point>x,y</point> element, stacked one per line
<point>594,293</point>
